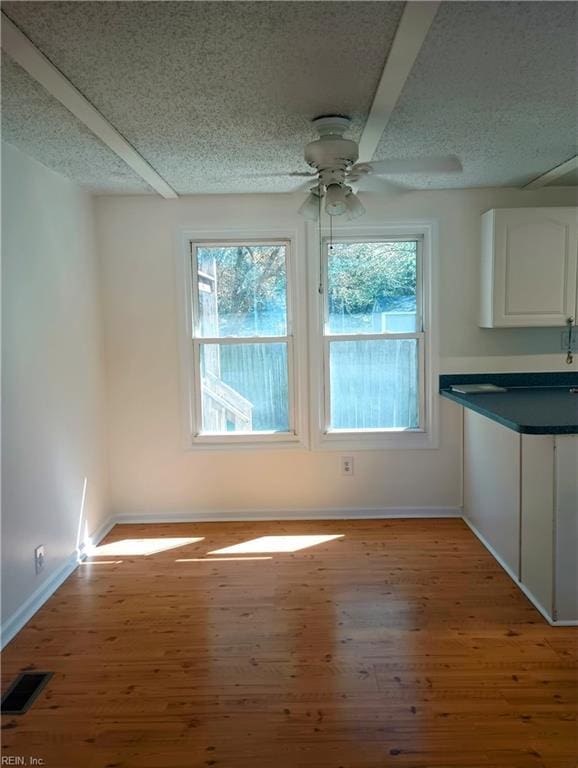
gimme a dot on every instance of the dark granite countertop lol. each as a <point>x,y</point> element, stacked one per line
<point>535,404</point>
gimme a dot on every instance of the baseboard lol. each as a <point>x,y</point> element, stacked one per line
<point>14,624</point>
<point>517,582</point>
<point>565,623</point>
<point>22,616</point>
<point>490,549</point>
<point>272,515</point>
<point>96,537</point>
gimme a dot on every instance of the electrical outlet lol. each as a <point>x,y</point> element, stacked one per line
<point>347,466</point>
<point>565,338</point>
<point>39,558</point>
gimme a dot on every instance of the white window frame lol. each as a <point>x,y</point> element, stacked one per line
<point>426,435</point>
<point>191,341</point>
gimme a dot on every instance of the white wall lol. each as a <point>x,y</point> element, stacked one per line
<point>52,375</point>
<point>149,470</point>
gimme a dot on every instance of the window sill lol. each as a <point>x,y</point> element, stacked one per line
<point>376,441</point>
<point>333,441</point>
<point>257,442</point>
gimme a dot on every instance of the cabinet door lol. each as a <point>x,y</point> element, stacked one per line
<point>566,573</point>
<point>492,486</point>
<point>537,528</point>
<point>534,266</point>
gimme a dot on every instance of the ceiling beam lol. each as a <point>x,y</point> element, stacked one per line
<point>553,174</point>
<point>413,28</point>
<point>21,50</point>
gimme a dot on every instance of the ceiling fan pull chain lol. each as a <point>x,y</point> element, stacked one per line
<point>320,288</point>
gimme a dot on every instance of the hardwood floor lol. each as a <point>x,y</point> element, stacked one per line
<point>403,643</point>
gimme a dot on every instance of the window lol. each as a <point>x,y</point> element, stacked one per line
<point>269,360</point>
<point>372,343</point>
<point>242,343</point>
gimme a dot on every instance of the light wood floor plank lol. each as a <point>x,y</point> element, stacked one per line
<point>401,644</point>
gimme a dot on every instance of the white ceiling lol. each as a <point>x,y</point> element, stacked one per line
<point>211,92</point>
<point>41,127</point>
<point>495,83</point>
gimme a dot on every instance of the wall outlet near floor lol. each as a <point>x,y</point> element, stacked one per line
<point>347,466</point>
<point>39,559</point>
<point>565,340</point>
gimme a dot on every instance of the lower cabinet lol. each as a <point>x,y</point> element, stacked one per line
<point>492,486</point>
<point>521,499</point>
<point>565,602</point>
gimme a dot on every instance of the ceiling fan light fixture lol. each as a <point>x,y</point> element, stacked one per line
<point>335,204</point>
<point>355,208</point>
<point>310,208</point>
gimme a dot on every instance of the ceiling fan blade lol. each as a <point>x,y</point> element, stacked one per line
<point>287,174</point>
<point>423,165</point>
<point>371,183</point>
<point>304,186</point>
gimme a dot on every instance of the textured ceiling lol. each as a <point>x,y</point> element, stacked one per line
<point>39,125</point>
<point>494,84</point>
<point>211,93</point>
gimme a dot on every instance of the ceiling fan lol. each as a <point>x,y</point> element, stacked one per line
<point>333,159</point>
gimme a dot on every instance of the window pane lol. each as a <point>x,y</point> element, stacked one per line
<point>244,387</point>
<point>374,384</point>
<point>242,290</point>
<point>372,287</point>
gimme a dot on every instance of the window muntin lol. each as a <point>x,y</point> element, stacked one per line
<point>242,341</point>
<point>373,340</point>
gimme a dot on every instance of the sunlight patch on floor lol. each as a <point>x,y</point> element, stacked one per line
<point>140,546</point>
<point>219,559</point>
<point>275,544</point>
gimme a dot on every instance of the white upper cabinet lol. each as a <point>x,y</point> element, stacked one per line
<point>528,269</point>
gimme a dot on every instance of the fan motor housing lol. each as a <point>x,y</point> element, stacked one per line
<point>331,151</point>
